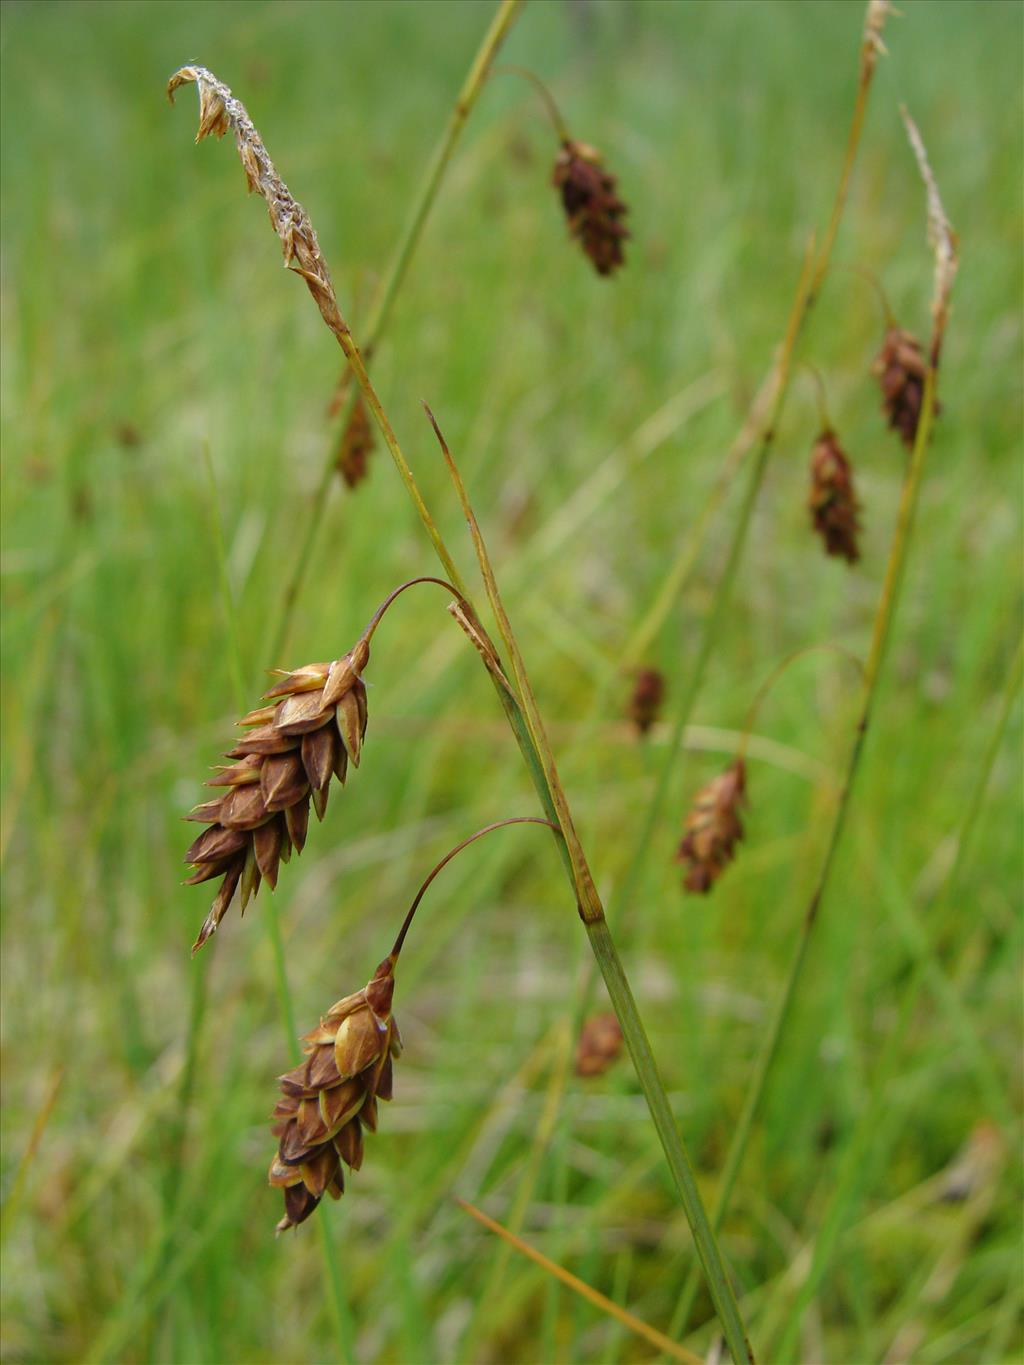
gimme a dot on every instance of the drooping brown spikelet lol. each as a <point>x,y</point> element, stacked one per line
<point>329,1099</point>
<point>599,1045</point>
<point>310,731</point>
<point>646,699</point>
<point>713,828</point>
<point>900,370</point>
<point>355,446</point>
<point>832,500</point>
<point>592,206</point>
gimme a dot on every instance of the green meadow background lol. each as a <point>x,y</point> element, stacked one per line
<point>165,384</point>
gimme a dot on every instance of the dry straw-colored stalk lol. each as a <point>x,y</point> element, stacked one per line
<point>657,1339</point>
<point>219,113</point>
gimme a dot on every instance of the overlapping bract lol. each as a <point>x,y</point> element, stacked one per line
<point>311,729</point>
<point>713,828</point>
<point>900,370</point>
<point>592,205</point>
<point>329,1099</point>
<point>832,500</point>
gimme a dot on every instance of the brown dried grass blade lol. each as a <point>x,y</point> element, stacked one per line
<point>585,1291</point>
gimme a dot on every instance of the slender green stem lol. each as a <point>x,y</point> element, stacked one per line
<point>672,1144</point>
<point>619,992</point>
<point>881,635</point>
<point>589,902</point>
<point>723,591</point>
<point>439,867</point>
<point>199,979</point>
<point>819,392</point>
<point>546,98</point>
<point>867,1124</point>
<point>808,288</point>
<point>396,272</point>
<point>872,671</point>
<point>869,52</point>
<point>475,79</point>
<point>977,796</point>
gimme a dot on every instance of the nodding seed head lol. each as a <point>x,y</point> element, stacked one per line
<point>599,1045</point>
<point>900,370</point>
<point>355,446</point>
<point>713,828</point>
<point>592,206</point>
<point>646,699</point>
<point>290,750</point>
<point>329,1099</point>
<point>832,501</point>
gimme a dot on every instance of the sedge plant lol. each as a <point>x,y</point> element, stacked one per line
<point>220,113</point>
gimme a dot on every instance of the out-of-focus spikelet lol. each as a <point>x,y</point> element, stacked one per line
<point>713,828</point>
<point>832,500</point>
<point>899,368</point>
<point>592,206</point>
<point>356,445</point>
<point>646,699</point>
<point>599,1045</point>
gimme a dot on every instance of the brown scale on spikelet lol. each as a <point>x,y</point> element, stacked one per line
<point>832,500</point>
<point>311,730</point>
<point>329,1099</point>
<point>713,828</point>
<point>599,1045</point>
<point>592,206</point>
<point>356,445</point>
<point>646,699</point>
<point>900,370</point>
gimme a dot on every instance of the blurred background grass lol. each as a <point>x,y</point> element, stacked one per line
<point>147,320</point>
